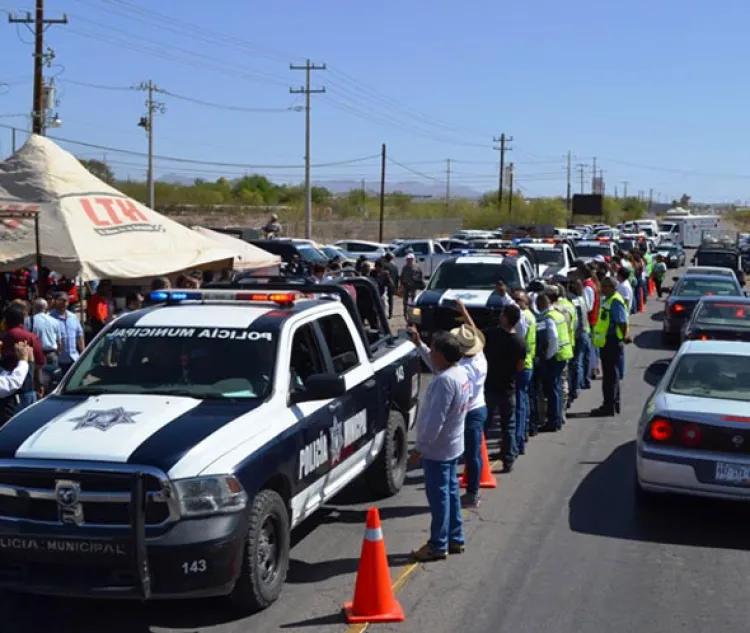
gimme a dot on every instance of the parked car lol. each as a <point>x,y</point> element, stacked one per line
<point>428,253</point>
<point>674,254</point>
<point>371,250</point>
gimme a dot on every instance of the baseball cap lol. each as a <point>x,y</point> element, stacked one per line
<point>410,256</point>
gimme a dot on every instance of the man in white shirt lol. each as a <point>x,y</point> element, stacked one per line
<point>624,287</point>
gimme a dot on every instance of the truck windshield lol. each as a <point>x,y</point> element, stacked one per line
<point>549,256</point>
<point>311,255</point>
<point>473,276</point>
<point>592,250</point>
<point>197,362</point>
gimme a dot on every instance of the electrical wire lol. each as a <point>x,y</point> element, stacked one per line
<point>190,161</point>
<point>174,95</point>
<point>413,171</point>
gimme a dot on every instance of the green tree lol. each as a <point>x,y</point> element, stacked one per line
<point>685,201</point>
<point>320,195</point>
<point>99,168</point>
<point>633,209</point>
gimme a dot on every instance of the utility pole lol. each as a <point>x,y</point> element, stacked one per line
<point>13,139</point>
<point>593,174</point>
<point>510,190</point>
<point>40,59</point>
<point>503,140</point>
<point>650,199</point>
<point>382,192</point>
<point>625,190</point>
<point>569,190</point>
<point>582,172</point>
<point>616,195</point>
<point>147,123</point>
<point>307,91</point>
<point>448,183</point>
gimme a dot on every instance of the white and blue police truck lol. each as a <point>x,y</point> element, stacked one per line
<point>177,454</point>
<point>472,277</point>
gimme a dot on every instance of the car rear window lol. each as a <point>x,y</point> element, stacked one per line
<point>723,314</point>
<point>719,376</point>
<point>707,287</point>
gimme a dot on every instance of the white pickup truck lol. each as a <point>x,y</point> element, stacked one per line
<point>428,254</point>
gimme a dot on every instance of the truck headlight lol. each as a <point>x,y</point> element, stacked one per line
<point>203,496</point>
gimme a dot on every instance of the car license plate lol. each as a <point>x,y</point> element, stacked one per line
<point>733,473</point>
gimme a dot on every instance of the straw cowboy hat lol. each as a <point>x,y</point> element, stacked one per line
<point>471,340</point>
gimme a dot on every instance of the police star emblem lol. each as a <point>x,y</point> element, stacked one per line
<point>337,440</point>
<point>104,419</point>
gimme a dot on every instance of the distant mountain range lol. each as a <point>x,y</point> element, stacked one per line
<point>411,187</point>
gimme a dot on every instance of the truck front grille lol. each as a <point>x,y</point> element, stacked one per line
<point>104,496</point>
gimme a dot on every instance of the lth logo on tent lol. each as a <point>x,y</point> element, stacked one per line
<point>112,216</point>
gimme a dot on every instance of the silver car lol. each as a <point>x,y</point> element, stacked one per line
<point>694,432</point>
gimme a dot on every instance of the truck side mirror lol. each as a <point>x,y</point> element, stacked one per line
<point>320,387</point>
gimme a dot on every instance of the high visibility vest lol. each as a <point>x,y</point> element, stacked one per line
<point>564,344</point>
<point>566,306</point>
<point>530,338</point>
<point>649,263</point>
<point>601,329</point>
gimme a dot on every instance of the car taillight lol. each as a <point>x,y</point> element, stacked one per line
<point>660,430</point>
<point>691,435</point>
<point>676,308</point>
<point>698,337</point>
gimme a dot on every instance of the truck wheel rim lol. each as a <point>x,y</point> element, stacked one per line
<point>268,550</point>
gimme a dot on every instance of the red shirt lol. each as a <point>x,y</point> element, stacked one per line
<point>98,308</point>
<point>15,335</point>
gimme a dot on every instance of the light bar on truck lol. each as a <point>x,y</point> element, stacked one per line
<point>282,298</point>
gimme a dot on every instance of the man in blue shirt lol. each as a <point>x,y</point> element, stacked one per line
<point>613,316</point>
<point>47,328</point>
<point>71,332</point>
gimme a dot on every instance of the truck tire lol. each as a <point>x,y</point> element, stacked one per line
<point>387,473</point>
<point>266,560</point>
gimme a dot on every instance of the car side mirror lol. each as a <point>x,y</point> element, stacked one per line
<point>320,387</point>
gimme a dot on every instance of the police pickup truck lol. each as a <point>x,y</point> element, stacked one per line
<point>472,278</point>
<point>191,436</point>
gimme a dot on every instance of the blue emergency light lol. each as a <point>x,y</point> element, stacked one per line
<point>281,298</point>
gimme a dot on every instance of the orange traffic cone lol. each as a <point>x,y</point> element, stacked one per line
<point>373,594</point>
<point>651,287</point>
<point>486,479</point>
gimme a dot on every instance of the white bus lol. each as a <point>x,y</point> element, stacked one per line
<point>688,229</point>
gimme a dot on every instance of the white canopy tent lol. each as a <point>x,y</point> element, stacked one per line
<point>247,256</point>
<point>87,227</point>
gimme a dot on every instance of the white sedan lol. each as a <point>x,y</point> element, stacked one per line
<point>694,432</point>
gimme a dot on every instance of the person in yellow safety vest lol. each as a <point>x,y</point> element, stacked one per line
<point>559,351</point>
<point>560,302</point>
<point>610,334</point>
<point>526,329</point>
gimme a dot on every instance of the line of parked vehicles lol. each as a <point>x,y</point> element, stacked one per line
<point>693,435</point>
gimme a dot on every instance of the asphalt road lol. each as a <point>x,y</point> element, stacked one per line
<point>558,547</point>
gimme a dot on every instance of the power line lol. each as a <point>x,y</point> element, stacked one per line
<point>169,93</point>
<point>190,161</point>
<point>414,171</point>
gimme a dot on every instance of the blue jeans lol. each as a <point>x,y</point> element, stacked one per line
<point>553,371</point>
<point>473,434</point>
<point>586,359</point>
<point>523,380</point>
<point>594,359</point>
<point>444,499</point>
<point>575,369</point>
<point>26,399</point>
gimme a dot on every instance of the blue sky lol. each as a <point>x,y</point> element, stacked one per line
<point>655,90</point>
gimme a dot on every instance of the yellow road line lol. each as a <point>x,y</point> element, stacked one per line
<point>404,575</point>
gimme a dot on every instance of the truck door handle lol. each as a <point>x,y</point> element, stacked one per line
<point>370,383</point>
